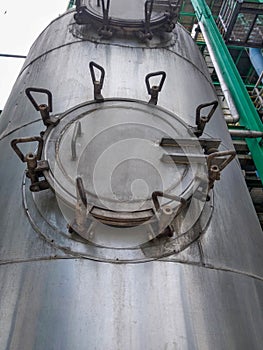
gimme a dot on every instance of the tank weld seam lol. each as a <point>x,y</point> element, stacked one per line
<point>18,128</point>
<point>134,46</point>
<point>26,260</point>
<point>77,257</point>
<point>216,268</point>
<point>188,61</point>
<point>45,53</point>
<point>69,12</point>
<point>116,45</point>
<point>155,48</point>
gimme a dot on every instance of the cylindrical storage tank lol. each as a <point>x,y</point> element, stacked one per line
<point>129,229</point>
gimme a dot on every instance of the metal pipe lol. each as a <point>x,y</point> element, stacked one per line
<point>234,118</point>
<point>256,59</point>
<point>246,133</point>
<point>11,56</point>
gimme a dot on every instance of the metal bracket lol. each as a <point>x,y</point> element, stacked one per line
<point>155,89</point>
<point>80,14</point>
<point>201,121</point>
<point>216,160</point>
<point>171,16</point>
<point>215,166</point>
<point>195,158</point>
<point>81,209</point>
<point>35,166</point>
<point>209,145</point>
<point>44,109</point>
<point>173,8</point>
<point>81,194</point>
<point>166,214</point>
<point>78,4</point>
<point>98,84</point>
<point>148,8</point>
<point>105,31</point>
<point>76,133</point>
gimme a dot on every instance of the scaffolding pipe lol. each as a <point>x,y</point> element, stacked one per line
<point>234,118</point>
<point>249,117</point>
<point>251,134</point>
<point>256,59</point>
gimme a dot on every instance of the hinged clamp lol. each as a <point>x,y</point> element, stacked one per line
<point>202,120</point>
<point>35,166</point>
<point>154,90</point>
<point>166,214</point>
<point>216,164</point>
<point>105,31</point>
<point>98,84</point>
<point>79,225</point>
<point>147,34</point>
<point>44,109</point>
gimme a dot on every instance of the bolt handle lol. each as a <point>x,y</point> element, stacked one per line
<point>37,106</point>
<point>38,139</point>
<point>155,89</point>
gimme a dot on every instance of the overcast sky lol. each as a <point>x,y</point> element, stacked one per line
<point>21,21</point>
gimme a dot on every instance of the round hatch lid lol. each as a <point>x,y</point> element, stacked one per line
<point>125,13</point>
<point>121,9</point>
<point>115,147</point>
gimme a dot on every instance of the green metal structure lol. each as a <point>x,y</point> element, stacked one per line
<point>249,117</point>
<point>71,4</point>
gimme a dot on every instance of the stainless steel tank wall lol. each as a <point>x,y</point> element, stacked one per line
<point>71,77</point>
<point>208,296</point>
<point>68,304</point>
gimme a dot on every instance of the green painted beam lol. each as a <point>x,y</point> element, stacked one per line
<point>249,117</point>
<point>248,86</point>
<point>71,4</point>
<point>187,14</point>
<point>255,1</point>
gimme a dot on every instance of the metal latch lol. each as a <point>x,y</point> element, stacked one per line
<point>202,120</point>
<point>216,162</point>
<point>82,209</point>
<point>44,109</point>
<point>148,9</point>
<point>98,84</point>
<point>155,89</point>
<point>35,166</point>
<point>105,31</point>
<point>166,214</point>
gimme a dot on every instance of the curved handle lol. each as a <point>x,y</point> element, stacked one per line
<point>93,65</point>
<point>26,140</point>
<point>229,154</point>
<point>98,84</point>
<point>81,191</point>
<point>157,194</point>
<point>155,74</point>
<point>206,119</point>
<point>42,91</point>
